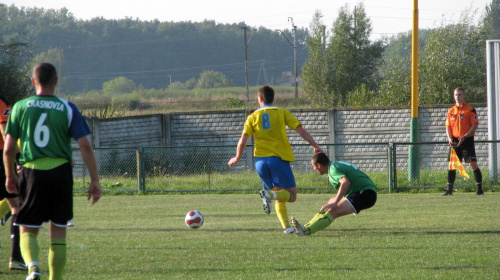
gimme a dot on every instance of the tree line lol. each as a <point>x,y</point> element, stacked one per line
<point>338,65</point>
<point>153,54</point>
<point>345,68</point>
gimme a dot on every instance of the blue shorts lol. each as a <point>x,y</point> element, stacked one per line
<point>275,172</point>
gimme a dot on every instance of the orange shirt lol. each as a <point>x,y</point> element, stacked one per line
<point>461,119</point>
<point>4,116</point>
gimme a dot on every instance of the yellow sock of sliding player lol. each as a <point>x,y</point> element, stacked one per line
<point>319,215</point>
<point>4,208</point>
<point>321,223</point>
<point>29,248</point>
<point>282,213</point>
<point>281,195</point>
<point>57,258</point>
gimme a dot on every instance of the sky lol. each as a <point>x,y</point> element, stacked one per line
<point>388,17</point>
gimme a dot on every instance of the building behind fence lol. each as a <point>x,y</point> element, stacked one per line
<point>157,152</point>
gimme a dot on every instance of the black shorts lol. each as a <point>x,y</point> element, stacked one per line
<point>466,151</point>
<point>362,200</point>
<point>3,189</point>
<point>46,195</point>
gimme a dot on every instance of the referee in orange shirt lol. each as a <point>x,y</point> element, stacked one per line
<point>461,124</point>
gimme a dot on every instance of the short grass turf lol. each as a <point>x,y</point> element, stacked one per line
<point>404,236</point>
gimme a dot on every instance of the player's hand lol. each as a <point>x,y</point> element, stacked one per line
<point>233,161</point>
<point>95,192</point>
<point>12,185</point>
<point>328,207</point>
<point>450,142</point>
<point>317,150</point>
<point>460,141</point>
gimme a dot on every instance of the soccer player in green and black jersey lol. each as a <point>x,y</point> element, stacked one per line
<point>45,125</point>
<point>355,192</point>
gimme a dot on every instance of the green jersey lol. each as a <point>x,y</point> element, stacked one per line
<point>359,181</point>
<point>45,124</point>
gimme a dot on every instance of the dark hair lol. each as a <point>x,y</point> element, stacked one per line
<point>320,158</point>
<point>267,94</point>
<point>45,73</point>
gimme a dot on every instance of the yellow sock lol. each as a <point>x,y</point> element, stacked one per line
<point>282,213</point>
<point>282,195</point>
<point>4,208</point>
<point>29,248</point>
<point>321,222</point>
<point>315,218</point>
<point>57,258</point>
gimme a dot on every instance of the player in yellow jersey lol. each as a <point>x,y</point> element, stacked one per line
<point>273,153</point>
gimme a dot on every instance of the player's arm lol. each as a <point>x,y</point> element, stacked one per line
<point>449,135</point>
<point>239,150</point>
<point>90,161</point>
<point>306,136</point>
<point>9,157</point>
<point>2,130</point>
<point>344,185</point>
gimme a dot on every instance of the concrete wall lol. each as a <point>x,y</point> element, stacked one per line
<point>340,126</point>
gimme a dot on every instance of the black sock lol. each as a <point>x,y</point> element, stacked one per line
<point>15,238</point>
<point>452,174</point>
<point>478,176</point>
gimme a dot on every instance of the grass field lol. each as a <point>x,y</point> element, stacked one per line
<point>404,236</point>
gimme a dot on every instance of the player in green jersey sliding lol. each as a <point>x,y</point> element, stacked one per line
<point>355,192</point>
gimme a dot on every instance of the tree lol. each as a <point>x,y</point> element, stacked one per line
<point>354,59</point>
<point>118,85</point>
<point>213,79</point>
<point>395,84</point>
<point>315,70</point>
<point>453,57</point>
<point>492,20</point>
<point>351,57</point>
<point>14,82</point>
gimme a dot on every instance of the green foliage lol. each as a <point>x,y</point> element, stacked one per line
<point>353,57</point>
<point>348,61</point>
<point>95,104</point>
<point>129,101</point>
<point>360,96</point>
<point>235,103</point>
<point>191,83</point>
<point>212,79</point>
<point>315,72</point>
<point>118,85</point>
<point>395,88</point>
<point>14,74</point>
<point>492,20</point>
<point>452,59</point>
<point>147,52</point>
<point>177,85</point>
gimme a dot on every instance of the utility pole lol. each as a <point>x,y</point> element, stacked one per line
<point>294,30</point>
<point>294,46</point>
<point>246,57</point>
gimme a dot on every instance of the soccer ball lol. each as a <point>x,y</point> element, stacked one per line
<point>194,219</point>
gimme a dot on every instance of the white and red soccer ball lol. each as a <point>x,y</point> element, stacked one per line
<point>194,219</point>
